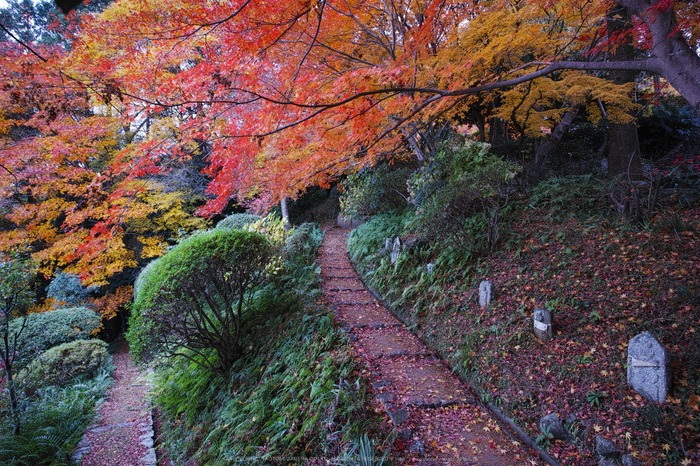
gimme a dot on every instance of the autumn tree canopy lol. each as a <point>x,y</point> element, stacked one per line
<point>280,96</point>
<point>69,194</point>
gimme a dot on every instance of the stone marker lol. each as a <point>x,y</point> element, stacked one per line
<point>605,448</point>
<point>485,293</point>
<point>429,268</point>
<point>649,367</point>
<point>543,324</point>
<point>387,245</point>
<point>396,250</point>
<point>397,415</point>
<point>552,424</point>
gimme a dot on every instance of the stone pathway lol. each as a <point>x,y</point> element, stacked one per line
<point>438,420</point>
<point>123,435</point>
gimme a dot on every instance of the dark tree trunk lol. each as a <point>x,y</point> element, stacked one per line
<point>498,132</point>
<point>678,62</point>
<point>623,149</point>
<point>545,150</point>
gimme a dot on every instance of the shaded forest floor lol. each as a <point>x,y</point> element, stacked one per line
<point>605,282</point>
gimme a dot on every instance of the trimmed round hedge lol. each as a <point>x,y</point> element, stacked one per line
<point>62,364</point>
<point>195,296</point>
<point>237,221</point>
<point>48,329</point>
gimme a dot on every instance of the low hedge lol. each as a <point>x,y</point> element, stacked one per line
<point>48,329</point>
<point>62,364</point>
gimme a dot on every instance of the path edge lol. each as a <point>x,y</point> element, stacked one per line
<point>519,432</point>
<point>147,438</point>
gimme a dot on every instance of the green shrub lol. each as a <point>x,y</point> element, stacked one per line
<point>295,393</point>
<point>195,296</point>
<point>16,295</point>
<point>53,423</point>
<point>141,277</point>
<point>302,245</point>
<point>460,195</point>
<point>370,237</point>
<point>237,221</point>
<point>275,229</point>
<point>568,196</point>
<point>300,273</point>
<point>67,290</point>
<point>48,329</point>
<point>62,364</point>
<point>375,190</point>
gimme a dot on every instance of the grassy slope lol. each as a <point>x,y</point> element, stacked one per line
<point>294,397</point>
<point>604,283</point>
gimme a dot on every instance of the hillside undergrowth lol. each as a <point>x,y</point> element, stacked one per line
<point>604,281</point>
<point>294,397</point>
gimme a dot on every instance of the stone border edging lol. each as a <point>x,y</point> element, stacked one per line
<point>521,434</point>
<point>148,441</point>
<point>147,438</point>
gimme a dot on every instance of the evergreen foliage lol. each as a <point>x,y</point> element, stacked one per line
<point>16,295</point>
<point>62,364</point>
<point>52,424</point>
<point>569,196</point>
<point>66,290</point>
<point>375,190</point>
<point>237,221</point>
<point>196,297</point>
<point>48,329</point>
<point>460,194</point>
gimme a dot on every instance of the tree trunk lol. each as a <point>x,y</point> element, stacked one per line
<point>623,150</point>
<point>285,213</point>
<point>411,138</point>
<point>679,61</point>
<point>552,143</point>
<point>7,354</point>
<point>498,132</point>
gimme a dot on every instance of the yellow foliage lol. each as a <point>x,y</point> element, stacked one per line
<point>152,246</point>
<point>109,305</point>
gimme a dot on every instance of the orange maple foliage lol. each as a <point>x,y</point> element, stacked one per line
<point>280,97</point>
<point>109,305</point>
<point>297,93</point>
<point>71,191</point>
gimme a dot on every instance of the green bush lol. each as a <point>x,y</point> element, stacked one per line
<point>141,277</point>
<point>48,329</point>
<point>302,245</point>
<point>62,364</point>
<point>460,195</point>
<point>374,190</point>
<point>16,295</point>
<point>370,237</point>
<point>67,290</point>
<point>567,196</point>
<point>52,424</point>
<point>195,297</point>
<point>237,221</point>
<point>294,393</point>
<point>300,273</point>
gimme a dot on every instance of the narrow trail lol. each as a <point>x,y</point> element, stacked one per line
<point>123,433</point>
<point>438,419</point>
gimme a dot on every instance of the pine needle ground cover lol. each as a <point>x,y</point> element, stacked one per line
<point>604,282</point>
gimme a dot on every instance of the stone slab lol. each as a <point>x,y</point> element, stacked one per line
<point>366,315</point>
<point>390,341</point>
<point>649,367</point>
<point>422,382</point>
